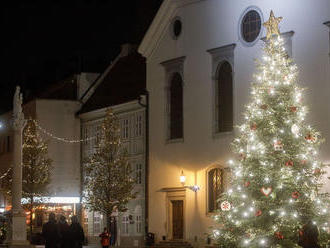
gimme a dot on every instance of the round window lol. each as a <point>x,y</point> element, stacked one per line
<point>251,26</point>
<point>177,28</point>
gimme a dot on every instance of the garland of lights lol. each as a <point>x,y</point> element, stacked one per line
<point>61,138</point>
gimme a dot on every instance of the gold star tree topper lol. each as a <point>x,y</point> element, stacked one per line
<point>272,25</point>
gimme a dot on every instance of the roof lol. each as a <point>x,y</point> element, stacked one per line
<point>160,23</point>
<point>124,81</point>
<point>65,89</point>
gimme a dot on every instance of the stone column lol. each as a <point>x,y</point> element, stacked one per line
<point>18,228</point>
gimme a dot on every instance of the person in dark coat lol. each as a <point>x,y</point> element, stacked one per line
<point>50,232</point>
<point>308,236</point>
<point>64,230</point>
<point>76,233</point>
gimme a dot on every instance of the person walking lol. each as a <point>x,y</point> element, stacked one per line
<point>308,236</point>
<point>50,232</point>
<point>64,230</point>
<point>105,238</point>
<point>76,233</point>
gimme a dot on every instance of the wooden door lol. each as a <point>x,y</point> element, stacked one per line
<point>177,217</point>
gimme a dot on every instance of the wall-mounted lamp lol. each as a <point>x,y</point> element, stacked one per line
<point>182,178</point>
<point>194,188</point>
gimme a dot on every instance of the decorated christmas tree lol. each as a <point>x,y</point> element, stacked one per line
<point>108,176</point>
<point>276,178</point>
<point>36,169</point>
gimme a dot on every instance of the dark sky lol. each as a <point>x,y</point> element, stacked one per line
<point>44,41</point>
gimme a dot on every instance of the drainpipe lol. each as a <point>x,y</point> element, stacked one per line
<point>146,183</point>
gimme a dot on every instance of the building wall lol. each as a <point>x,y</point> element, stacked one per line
<point>133,138</point>
<point>58,117</point>
<point>211,24</point>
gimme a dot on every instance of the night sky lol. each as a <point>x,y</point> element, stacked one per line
<point>47,40</point>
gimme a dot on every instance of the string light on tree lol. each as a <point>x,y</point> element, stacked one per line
<point>275,187</point>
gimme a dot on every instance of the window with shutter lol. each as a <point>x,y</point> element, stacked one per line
<point>225,98</point>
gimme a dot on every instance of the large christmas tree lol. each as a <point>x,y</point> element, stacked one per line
<point>275,185</point>
<point>108,176</point>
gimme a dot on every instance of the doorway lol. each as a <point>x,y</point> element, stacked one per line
<point>177,219</point>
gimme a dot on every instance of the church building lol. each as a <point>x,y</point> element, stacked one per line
<point>200,62</point>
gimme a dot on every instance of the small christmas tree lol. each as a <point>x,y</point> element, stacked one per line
<point>275,186</point>
<point>36,169</point>
<point>108,176</point>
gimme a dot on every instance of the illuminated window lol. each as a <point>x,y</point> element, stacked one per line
<point>224,105</point>
<point>215,188</point>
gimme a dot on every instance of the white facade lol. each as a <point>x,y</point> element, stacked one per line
<point>209,29</point>
<point>58,118</point>
<point>131,115</point>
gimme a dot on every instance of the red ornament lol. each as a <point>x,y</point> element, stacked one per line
<point>279,235</point>
<point>317,171</point>
<point>293,109</point>
<point>258,213</point>
<point>266,191</point>
<point>247,184</point>
<point>289,163</point>
<point>295,195</point>
<point>253,127</point>
<point>310,138</point>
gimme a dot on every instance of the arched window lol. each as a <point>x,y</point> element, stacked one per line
<point>224,108</point>
<point>176,107</point>
<point>215,188</point>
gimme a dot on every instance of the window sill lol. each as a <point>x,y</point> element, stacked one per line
<point>217,135</point>
<point>170,141</point>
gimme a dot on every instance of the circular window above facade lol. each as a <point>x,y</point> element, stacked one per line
<point>176,27</point>
<point>250,26</point>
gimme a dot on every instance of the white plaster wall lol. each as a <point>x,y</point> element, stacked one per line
<point>206,25</point>
<point>58,117</point>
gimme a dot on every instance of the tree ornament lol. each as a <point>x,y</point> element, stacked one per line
<point>295,129</point>
<point>266,191</point>
<point>289,163</point>
<point>258,213</point>
<point>253,126</point>
<point>247,184</point>
<point>295,195</point>
<point>225,206</point>
<point>263,106</point>
<point>278,146</point>
<point>279,235</point>
<point>293,109</point>
<point>311,138</point>
<point>242,156</point>
<point>317,171</point>
<point>303,162</point>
